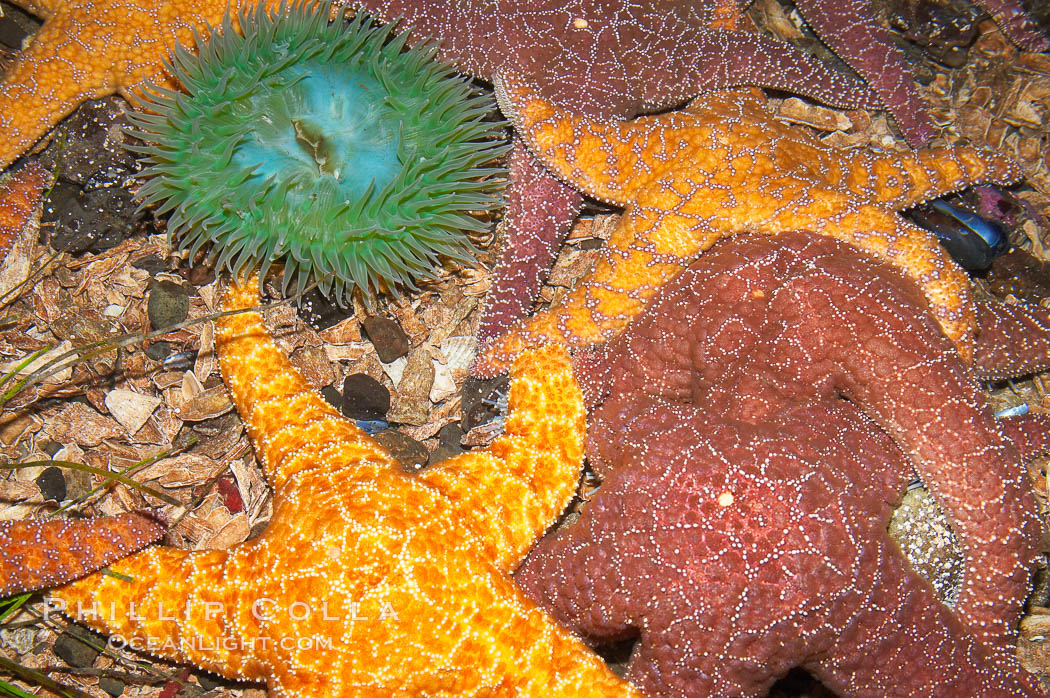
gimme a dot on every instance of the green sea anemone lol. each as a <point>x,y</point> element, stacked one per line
<point>330,144</point>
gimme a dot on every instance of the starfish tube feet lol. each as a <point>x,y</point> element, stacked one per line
<point>39,554</point>
<point>369,580</point>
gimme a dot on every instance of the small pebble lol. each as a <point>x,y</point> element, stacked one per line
<point>168,304</point>
<point>479,398</point>
<point>113,687</point>
<point>180,361</point>
<point>364,398</point>
<point>52,484</point>
<point>449,443</point>
<point>319,312</point>
<point>411,453</point>
<point>158,351</point>
<point>389,340</point>
<point>75,652</point>
<point>372,426</point>
<point>199,274</point>
<point>151,263</point>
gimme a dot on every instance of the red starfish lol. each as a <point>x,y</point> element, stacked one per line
<point>741,524</point>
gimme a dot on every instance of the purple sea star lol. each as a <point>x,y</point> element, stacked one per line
<point>741,524</point>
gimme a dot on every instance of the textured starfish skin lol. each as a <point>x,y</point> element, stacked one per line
<point>741,522</point>
<point>602,58</point>
<point>39,554</point>
<point>722,166</point>
<point>851,29</point>
<point>88,49</point>
<point>19,197</point>
<point>406,577</point>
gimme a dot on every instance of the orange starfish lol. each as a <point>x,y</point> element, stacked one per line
<point>39,554</point>
<point>20,194</point>
<point>725,165</point>
<point>369,581</point>
<point>88,49</point>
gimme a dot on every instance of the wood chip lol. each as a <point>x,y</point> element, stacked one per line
<point>131,409</point>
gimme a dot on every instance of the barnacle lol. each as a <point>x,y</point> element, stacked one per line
<point>330,144</point>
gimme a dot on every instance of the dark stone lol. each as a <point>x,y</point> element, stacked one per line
<point>332,396</point>
<point>168,304</point>
<point>75,652</point>
<point>158,351</point>
<point>52,484</point>
<point>364,398</point>
<point>88,221</point>
<point>15,26</point>
<point>91,206</point>
<point>479,400</point>
<point>90,149</point>
<point>389,340</point>
<point>319,312</point>
<point>50,447</point>
<point>411,453</point>
<point>207,682</point>
<point>449,443</point>
<point>113,687</point>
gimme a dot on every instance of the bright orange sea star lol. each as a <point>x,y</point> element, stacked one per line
<point>370,581</point>
<point>38,554</point>
<point>724,165</point>
<point>88,49</point>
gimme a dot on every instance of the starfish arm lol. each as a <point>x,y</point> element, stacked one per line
<point>925,400</point>
<point>292,427</point>
<point>1012,339</point>
<point>540,211</point>
<point>46,83</point>
<point>86,50</point>
<point>736,59</point>
<point>39,554</point>
<point>868,48</point>
<point>605,159</point>
<point>573,574</point>
<point>514,489</point>
<point>639,257</point>
<point>1030,434</point>
<point>466,32</point>
<point>930,652</point>
<point>1017,25</point>
<point>172,603</point>
<point>20,194</point>
<point>915,253</point>
<point>902,180</point>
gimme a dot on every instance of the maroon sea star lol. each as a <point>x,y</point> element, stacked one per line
<point>741,524</point>
<point>851,29</point>
<point>598,58</point>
